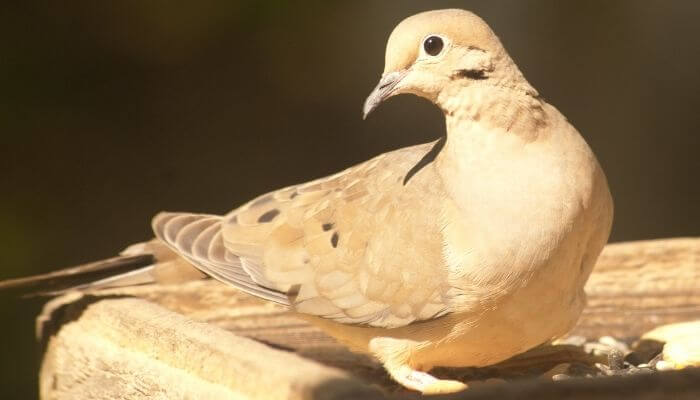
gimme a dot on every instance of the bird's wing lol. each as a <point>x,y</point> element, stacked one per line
<point>363,246</point>
<point>198,239</point>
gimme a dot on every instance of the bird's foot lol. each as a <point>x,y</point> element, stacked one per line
<point>424,382</point>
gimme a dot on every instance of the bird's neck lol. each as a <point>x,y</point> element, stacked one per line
<point>490,129</point>
<point>501,109</point>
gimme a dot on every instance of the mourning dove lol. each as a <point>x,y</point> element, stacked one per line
<point>461,252</point>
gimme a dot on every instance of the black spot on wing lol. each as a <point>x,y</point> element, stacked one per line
<point>334,239</point>
<point>427,159</point>
<point>327,227</point>
<point>269,216</point>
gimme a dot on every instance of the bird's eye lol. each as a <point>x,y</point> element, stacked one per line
<point>433,45</point>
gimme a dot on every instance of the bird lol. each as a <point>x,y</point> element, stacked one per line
<point>462,252</point>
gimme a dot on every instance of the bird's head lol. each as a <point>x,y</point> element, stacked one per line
<point>431,51</point>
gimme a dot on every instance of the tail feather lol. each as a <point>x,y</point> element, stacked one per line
<point>141,276</point>
<point>80,276</point>
<point>138,264</point>
<point>171,258</point>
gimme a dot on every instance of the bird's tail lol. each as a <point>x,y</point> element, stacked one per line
<point>139,264</point>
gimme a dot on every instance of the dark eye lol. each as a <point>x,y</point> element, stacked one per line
<point>433,45</point>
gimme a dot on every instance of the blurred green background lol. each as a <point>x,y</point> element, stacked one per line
<point>112,111</point>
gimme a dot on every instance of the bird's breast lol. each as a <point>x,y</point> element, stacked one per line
<point>513,213</point>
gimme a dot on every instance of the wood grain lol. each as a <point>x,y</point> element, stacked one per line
<point>194,340</point>
<point>132,348</point>
<point>637,286</point>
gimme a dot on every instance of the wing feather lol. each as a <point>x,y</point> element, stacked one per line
<point>198,239</point>
<point>343,247</point>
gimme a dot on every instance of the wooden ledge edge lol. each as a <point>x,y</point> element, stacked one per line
<point>131,348</point>
<point>676,385</point>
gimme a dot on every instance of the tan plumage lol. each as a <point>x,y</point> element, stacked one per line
<point>461,252</point>
<point>332,247</point>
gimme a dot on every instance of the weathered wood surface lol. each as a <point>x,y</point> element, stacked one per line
<point>637,286</point>
<point>111,345</point>
<point>131,348</point>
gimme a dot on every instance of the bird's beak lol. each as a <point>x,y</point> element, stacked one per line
<point>384,90</point>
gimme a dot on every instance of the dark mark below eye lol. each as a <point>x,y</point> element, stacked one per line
<point>327,227</point>
<point>269,216</point>
<point>334,239</point>
<point>476,74</point>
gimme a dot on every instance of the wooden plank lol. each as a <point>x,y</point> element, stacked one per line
<point>635,287</point>
<point>678,385</point>
<point>132,348</point>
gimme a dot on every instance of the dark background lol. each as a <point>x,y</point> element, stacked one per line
<point>112,111</point>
